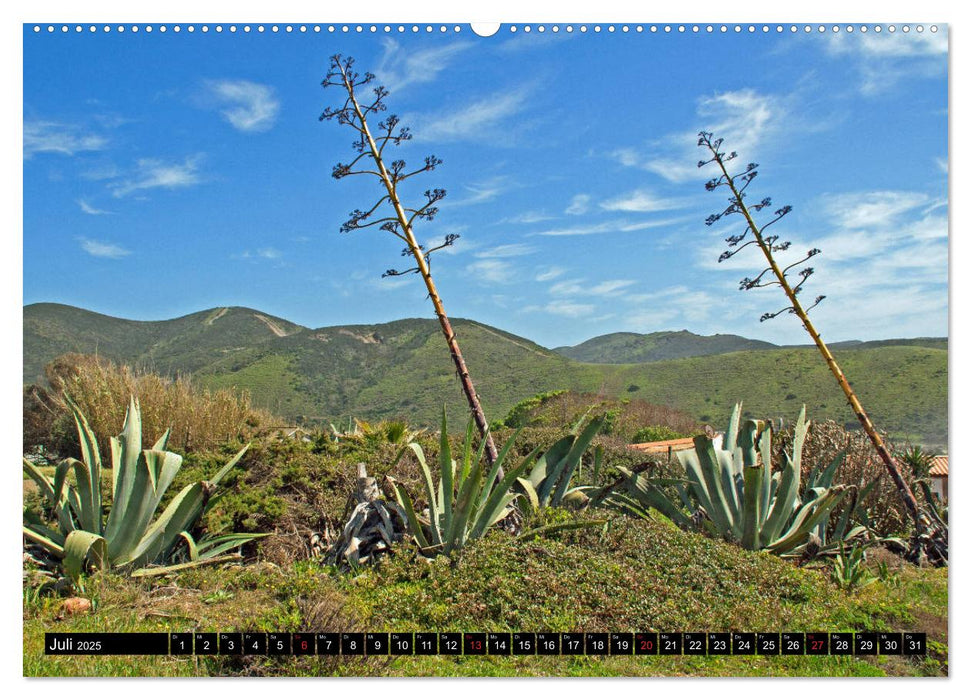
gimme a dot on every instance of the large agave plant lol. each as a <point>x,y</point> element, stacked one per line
<point>129,535</point>
<point>731,479</point>
<point>467,500</point>
<point>548,484</point>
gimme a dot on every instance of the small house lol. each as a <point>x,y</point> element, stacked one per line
<point>938,475</point>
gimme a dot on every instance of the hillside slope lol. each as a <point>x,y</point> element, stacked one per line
<point>402,369</point>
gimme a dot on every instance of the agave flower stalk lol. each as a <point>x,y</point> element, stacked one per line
<point>370,146</point>
<point>774,274</point>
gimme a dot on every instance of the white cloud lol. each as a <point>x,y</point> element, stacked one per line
<point>401,67</point>
<point>508,250</point>
<point>570,309</point>
<point>65,139</point>
<point>528,217</point>
<point>88,209</point>
<point>490,270</point>
<point>640,201</point>
<point>580,204</point>
<point>100,249</point>
<point>152,173</point>
<point>745,118</point>
<point>607,227</point>
<point>250,107</point>
<point>607,288</point>
<point>480,192</point>
<point>550,273</point>
<point>871,210</point>
<point>884,59</point>
<point>479,120</point>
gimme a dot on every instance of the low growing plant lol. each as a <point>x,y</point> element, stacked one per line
<point>128,535</point>
<point>849,570</point>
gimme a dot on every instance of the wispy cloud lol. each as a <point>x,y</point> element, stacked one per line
<point>528,217</point>
<point>480,120</point>
<point>491,270</point>
<point>508,250</point>
<point>607,288</point>
<point>152,173</point>
<point>641,201</point>
<point>267,253</point>
<point>569,309</point>
<point>745,118</point>
<point>64,139</point>
<point>580,204</point>
<point>550,273</point>
<point>248,106</point>
<point>88,209</point>
<point>480,192</point>
<point>399,67</point>
<point>607,227</point>
<point>101,249</point>
<point>884,59</point>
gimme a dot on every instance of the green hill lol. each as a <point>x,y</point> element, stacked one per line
<point>182,344</point>
<point>403,369</point>
<point>624,348</point>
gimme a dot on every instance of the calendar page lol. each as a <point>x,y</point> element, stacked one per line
<point>524,349</point>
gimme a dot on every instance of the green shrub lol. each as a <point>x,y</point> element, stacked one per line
<point>656,433</point>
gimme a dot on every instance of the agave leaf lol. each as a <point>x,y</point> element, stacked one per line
<point>91,456</point>
<point>163,441</point>
<point>190,543</point>
<point>499,499</point>
<point>88,493</point>
<point>564,471</point>
<point>39,527</point>
<point>731,432</point>
<point>175,568</point>
<point>48,539</point>
<point>530,493</point>
<point>160,537</point>
<point>561,527</point>
<point>539,477</point>
<point>720,511</point>
<point>806,519</point>
<point>413,523</point>
<point>765,450</point>
<point>210,547</point>
<point>645,491</point>
<point>447,470</point>
<point>81,546</point>
<point>142,502</point>
<point>45,485</point>
<point>786,496</point>
<point>429,492</point>
<point>751,515</point>
<point>465,505</point>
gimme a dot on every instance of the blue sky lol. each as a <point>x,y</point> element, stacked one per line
<point>168,173</point>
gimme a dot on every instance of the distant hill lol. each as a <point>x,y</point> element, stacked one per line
<point>626,348</point>
<point>403,369</point>
<point>183,344</point>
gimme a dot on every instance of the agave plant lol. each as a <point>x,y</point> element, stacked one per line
<point>129,535</point>
<point>731,479</point>
<point>849,571</point>
<point>548,484</point>
<point>467,500</point>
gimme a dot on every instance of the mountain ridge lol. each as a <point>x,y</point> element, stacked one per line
<point>402,368</point>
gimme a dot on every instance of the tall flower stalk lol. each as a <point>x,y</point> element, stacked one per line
<point>930,540</point>
<point>396,217</point>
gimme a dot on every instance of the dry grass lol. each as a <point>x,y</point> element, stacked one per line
<point>199,418</point>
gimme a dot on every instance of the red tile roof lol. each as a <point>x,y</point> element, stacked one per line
<point>939,465</point>
<point>664,445</point>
